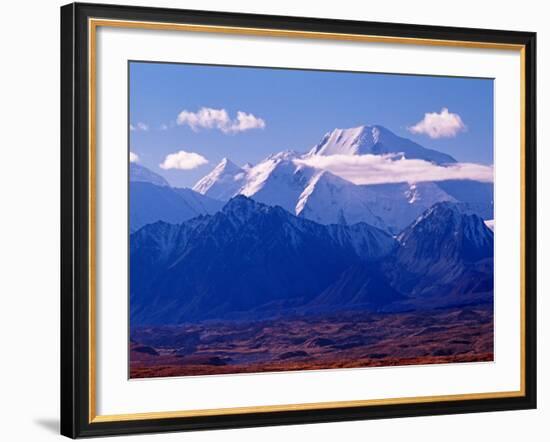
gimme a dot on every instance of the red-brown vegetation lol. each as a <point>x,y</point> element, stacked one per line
<point>346,340</point>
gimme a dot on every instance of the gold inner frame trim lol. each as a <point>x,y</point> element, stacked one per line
<point>93,24</point>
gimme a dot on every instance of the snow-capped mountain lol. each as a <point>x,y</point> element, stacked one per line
<point>277,181</point>
<point>243,257</point>
<point>223,182</point>
<point>141,174</point>
<point>376,140</point>
<point>328,199</point>
<point>152,200</point>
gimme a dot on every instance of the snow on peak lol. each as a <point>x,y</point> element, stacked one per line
<point>341,142</point>
<point>277,180</point>
<point>226,165</point>
<point>375,140</point>
<point>284,155</point>
<point>329,199</point>
<point>490,223</point>
<point>223,182</point>
<point>272,177</point>
<point>320,179</point>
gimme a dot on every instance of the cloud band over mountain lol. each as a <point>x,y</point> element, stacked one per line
<point>380,169</point>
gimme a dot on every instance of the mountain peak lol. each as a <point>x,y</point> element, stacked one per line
<point>238,202</point>
<point>375,140</point>
<point>242,208</point>
<point>447,229</point>
<point>223,182</point>
<point>287,154</point>
<point>226,164</point>
<point>445,210</point>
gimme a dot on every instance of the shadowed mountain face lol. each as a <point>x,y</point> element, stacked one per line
<point>444,258</point>
<point>360,286</point>
<point>445,255</point>
<point>250,259</point>
<point>446,233</point>
<point>244,257</point>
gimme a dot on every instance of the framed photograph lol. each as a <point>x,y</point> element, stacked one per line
<point>278,220</point>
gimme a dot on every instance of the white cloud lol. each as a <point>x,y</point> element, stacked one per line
<point>134,157</point>
<point>205,118</point>
<point>246,122</point>
<point>208,118</point>
<point>439,125</point>
<point>183,160</point>
<point>140,126</point>
<point>379,169</point>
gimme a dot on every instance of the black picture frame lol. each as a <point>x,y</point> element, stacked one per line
<point>75,221</point>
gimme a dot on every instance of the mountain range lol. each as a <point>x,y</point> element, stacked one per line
<point>282,237</point>
<point>251,259</point>
<point>308,192</point>
<point>245,256</point>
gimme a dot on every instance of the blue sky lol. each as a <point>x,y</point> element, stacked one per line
<point>293,109</point>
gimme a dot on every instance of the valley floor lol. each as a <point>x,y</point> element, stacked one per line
<point>343,340</point>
